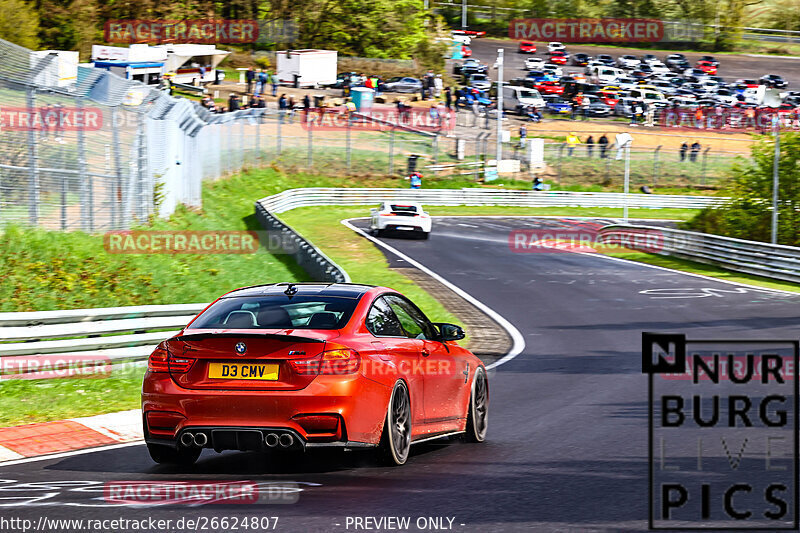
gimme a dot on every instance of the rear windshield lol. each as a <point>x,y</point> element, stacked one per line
<point>278,312</point>
<point>404,208</point>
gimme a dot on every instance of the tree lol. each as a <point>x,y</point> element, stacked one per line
<point>19,23</point>
<point>748,213</point>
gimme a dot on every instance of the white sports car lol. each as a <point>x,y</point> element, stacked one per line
<point>534,63</point>
<point>400,217</point>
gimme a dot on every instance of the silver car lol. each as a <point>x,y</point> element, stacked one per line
<point>403,85</point>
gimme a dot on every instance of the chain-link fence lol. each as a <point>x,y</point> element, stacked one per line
<point>103,152</point>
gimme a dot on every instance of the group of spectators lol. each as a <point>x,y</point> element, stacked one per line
<point>257,82</point>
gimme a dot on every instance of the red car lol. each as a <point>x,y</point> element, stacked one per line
<point>466,51</point>
<point>527,47</point>
<point>549,87</point>
<point>294,366</point>
<point>707,66</point>
<point>558,58</point>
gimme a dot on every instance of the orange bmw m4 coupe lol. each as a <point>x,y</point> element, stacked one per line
<point>295,366</point>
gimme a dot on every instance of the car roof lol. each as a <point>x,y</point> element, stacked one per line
<point>320,288</point>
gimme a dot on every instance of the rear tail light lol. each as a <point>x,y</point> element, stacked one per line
<point>330,362</point>
<point>162,361</point>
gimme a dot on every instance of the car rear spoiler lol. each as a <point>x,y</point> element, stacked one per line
<point>276,336</point>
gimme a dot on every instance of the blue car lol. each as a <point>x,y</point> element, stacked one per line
<point>556,105</point>
<point>538,76</point>
<point>471,96</point>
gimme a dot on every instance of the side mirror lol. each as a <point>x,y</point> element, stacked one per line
<point>449,332</point>
<point>373,210</point>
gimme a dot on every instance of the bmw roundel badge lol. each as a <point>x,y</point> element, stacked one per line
<point>240,348</point>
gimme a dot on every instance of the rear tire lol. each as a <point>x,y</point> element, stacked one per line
<point>166,455</point>
<point>379,232</point>
<point>425,235</point>
<point>478,413</point>
<point>396,439</point>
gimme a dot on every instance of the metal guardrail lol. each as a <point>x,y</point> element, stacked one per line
<point>310,258</point>
<point>750,257</point>
<point>292,198</point>
<point>113,334</point>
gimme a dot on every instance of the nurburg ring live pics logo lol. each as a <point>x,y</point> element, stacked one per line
<point>723,442</point>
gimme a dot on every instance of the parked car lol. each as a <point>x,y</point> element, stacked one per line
<point>605,59</point>
<point>469,66</point>
<point>707,66</point>
<point>555,46</point>
<point>400,84</point>
<point>597,108</point>
<point>774,80</point>
<point>479,81</point>
<point>628,61</point>
<point>581,59</point>
<point>556,105</point>
<point>534,63</point>
<point>710,59</point>
<point>527,47</point>
<point>649,59</point>
<point>549,87</point>
<point>675,59</point>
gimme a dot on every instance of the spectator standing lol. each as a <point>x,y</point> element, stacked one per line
<point>416,180</point>
<point>233,102</point>
<point>603,145</point>
<point>448,98</point>
<point>636,112</point>
<point>622,141</point>
<point>290,108</point>
<point>684,148</point>
<point>695,150</point>
<point>589,146</point>
<point>306,102</point>
<point>261,86</point>
<point>282,102</point>
<point>438,85</point>
<point>572,142</point>
<point>273,78</point>
<point>249,77</point>
<point>650,115</point>
<point>585,103</point>
<point>698,118</point>
<point>523,135</point>
<point>576,103</point>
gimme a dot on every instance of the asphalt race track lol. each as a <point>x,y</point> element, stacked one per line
<point>567,443</point>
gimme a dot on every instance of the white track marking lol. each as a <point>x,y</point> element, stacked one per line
<point>122,426</point>
<point>518,342</point>
<point>70,454</point>
<point>7,455</point>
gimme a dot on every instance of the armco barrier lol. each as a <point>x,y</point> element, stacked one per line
<point>292,198</point>
<point>307,256</point>
<point>749,257</point>
<point>118,334</point>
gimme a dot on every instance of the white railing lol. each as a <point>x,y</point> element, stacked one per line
<point>750,257</point>
<point>293,198</point>
<point>115,334</point>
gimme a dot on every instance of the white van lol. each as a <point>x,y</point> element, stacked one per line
<point>516,98</point>
<point>649,96</point>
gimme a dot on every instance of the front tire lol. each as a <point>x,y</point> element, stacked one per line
<point>166,455</point>
<point>396,439</point>
<point>478,414</point>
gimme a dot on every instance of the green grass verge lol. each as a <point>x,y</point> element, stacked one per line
<point>40,400</point>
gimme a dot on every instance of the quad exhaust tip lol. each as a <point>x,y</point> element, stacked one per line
<point>286,440</point>
<point>271,440</point>
<point>187,439</point>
